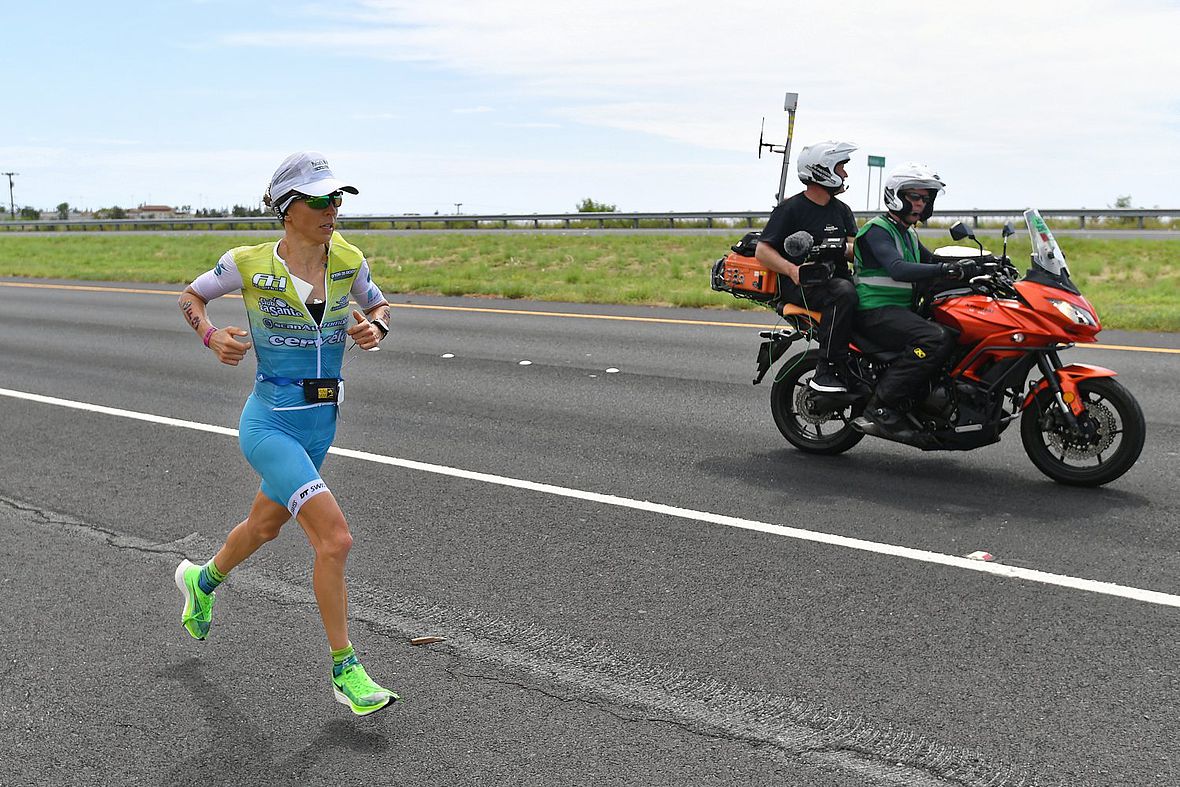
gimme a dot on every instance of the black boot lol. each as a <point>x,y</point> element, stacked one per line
<point>883,420</point>
<point>852,381</point>
<point>826,379</point>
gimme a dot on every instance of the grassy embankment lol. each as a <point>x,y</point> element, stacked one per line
<point>1134,284</point>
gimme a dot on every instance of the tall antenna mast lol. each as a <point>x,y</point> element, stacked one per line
<point>790,105</point>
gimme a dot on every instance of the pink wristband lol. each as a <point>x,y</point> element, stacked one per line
<point>208,333</point>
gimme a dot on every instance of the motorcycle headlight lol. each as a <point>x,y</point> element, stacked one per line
<point>1074,313</point>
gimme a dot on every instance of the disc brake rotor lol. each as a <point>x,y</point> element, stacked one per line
<point>1063,441</point>
<point>806,410</point>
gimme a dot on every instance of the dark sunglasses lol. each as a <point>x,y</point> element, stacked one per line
<point>914,196</point>
<point>319,203</point>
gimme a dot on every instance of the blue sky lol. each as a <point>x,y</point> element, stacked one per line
<point>530,106</point>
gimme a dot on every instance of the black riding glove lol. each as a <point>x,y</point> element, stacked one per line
<point>958,270</point>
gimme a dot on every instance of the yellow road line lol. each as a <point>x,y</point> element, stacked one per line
<point>526,312</point>
<point>84,288</point>
<point>580,316</point>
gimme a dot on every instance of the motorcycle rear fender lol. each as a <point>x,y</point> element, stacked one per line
<point>777,343</point>
<point>1069,377</point>
<point>801,323</point>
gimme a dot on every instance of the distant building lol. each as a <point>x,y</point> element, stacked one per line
<point>153,212</point>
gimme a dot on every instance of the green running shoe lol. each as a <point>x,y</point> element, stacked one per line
<point>197,614</point>
<point>356,689</point>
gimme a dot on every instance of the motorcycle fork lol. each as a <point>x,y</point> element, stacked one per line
<point>1049,362</point>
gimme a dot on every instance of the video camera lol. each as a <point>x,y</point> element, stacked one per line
<point>821,261</point>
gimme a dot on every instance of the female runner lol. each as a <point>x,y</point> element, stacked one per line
<point>296,293</point>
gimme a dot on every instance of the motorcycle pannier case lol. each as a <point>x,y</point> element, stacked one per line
<point>744,277</point>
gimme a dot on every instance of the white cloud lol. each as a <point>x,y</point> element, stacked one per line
<point>528,125</point>
<point>1034,85</point>
<point>659,103</point>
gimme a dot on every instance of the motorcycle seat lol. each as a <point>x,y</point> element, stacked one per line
<point>791,310</point>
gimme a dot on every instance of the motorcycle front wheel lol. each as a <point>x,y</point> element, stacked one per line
<point>1078,460</point>
<point>810,422</point>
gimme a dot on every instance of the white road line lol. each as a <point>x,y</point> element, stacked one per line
<point>909,553</point>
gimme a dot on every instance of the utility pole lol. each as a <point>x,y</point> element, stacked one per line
<point>11,204</point>
<point>457,205</point>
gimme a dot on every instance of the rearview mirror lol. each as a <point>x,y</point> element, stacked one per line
<point>959,231</point>
<point>1009,229</point>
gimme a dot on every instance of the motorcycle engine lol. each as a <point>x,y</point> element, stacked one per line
<point>940,403</point>
<point>973,404</point>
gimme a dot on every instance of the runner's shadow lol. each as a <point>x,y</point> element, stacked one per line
<point>338,734</point>
<point>229,744</point>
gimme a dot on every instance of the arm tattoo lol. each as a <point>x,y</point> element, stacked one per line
<point>193,319</point>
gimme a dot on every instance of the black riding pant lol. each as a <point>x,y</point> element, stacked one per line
<point>835,300</point>
<point>924,346</point>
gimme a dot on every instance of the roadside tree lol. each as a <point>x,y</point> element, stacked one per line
<point>590,206</point>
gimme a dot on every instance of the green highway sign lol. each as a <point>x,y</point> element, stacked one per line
<point>876,161</point>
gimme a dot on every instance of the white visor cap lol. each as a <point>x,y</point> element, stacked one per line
<point>308,173</point>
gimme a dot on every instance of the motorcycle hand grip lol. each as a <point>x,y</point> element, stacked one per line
<point>951,270</point>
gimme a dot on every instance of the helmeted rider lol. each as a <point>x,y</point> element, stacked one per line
<point>889,260</point>
<point>796,225</point>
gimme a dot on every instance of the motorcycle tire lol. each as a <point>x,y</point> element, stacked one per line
<point>1060,454</point>
<point>803,418</point>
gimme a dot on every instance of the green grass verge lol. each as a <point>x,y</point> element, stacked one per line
<point>1134,284</point>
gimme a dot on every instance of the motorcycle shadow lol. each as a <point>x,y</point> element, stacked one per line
<point>917,483</point>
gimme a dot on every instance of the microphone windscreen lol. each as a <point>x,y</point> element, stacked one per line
<point>797,244</point>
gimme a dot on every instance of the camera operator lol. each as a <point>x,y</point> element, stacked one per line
<point>815,218</point>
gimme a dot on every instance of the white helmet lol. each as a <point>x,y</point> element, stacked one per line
<point>817,163</point>
<point>915,176</point>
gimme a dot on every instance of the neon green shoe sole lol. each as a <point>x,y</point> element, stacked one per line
<point>197,615</point>
<point>357,690</point>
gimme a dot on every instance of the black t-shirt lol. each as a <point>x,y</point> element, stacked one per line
<point>834,220</point>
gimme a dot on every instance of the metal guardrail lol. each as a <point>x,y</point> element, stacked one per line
<point>708,219</point>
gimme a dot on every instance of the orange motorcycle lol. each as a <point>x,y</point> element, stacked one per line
<point>1078,424</point>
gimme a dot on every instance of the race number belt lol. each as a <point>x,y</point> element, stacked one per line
<point>316,390</point>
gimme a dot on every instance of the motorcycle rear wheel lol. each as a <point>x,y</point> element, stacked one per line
<point>801,416</point>
<point>1069,459</point>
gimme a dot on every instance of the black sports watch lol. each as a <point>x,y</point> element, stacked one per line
<point>381,326</point>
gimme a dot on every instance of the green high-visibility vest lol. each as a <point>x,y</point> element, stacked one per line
<point>874,286</point>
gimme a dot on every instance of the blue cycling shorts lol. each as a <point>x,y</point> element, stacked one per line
<point>286,448</point>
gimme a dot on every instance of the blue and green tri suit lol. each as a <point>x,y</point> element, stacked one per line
<point>283,437</point>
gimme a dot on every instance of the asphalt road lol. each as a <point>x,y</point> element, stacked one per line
<point>592,637</point>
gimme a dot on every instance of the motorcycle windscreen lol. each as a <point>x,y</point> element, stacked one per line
<point>1046,253</point>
